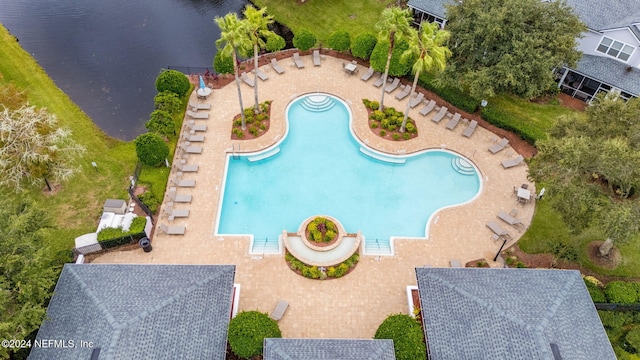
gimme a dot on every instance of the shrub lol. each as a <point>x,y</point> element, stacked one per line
<point>395,136</point>
<point>135,232</point>
<point>149,200</point>
<point>406,334</point>
<point>253,130</point>
<point>275,43</point>
<point>632,340</point>
<point>248,330</point>
<point>339,40</point>
<point>223,64</point>
<point>396,67</point>
<point>174,81</point>
<point>168,101</point>
<point>383,133</point>
<point>151,149</point>
<point>411,128</point>
<point>363,45</point>
<point>341,270</point>
<point>377,115</point>
<point>597,295</point>
<point>374,125</point>
<point>375,105</point>
<point>237,122</point>
<point>615,319</point>
<point>304,40</point>
<point>238,132</point>
<point>161,123</point>
<point>406,135</point>
<point>620,292</point>
<point>456,97</point>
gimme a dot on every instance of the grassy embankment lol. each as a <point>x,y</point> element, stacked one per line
<point>76,205</point>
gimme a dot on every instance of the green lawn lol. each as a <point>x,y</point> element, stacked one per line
<point>77,205</point>
<point>322,17</point>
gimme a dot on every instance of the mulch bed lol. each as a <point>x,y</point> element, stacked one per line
<point>247,135</point>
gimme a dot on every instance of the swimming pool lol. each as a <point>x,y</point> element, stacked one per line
<point>319,169</point>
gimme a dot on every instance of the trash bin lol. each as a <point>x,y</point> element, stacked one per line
<point>145,244</point>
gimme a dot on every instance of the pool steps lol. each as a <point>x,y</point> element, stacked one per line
<point>382,157</point>
<point>266,246</point>
<point>462,166</point>
<point>377,247</point>
<point>317,103</point>
<point>264,155</point>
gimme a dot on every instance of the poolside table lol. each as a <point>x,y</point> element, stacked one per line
<point>524,195</point>
<point>350,68</point>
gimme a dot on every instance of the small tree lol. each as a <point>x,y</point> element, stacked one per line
<point>174,81</point>
<point>223,64</point>
<point>167,101</point>
<point>363,45</point>
<point>248,330</point>
<point>275,43</point>
<point>406,334</point>
<point>151,149</point>
<point>304,40</point>
<point>339,40</point>
<point>161,123</point>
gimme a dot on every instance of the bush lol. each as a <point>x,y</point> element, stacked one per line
<point>528,132</point>
<point>597,295</point>
<point>339,40</point>
<point>248,330</point>
<point>112,237</point>
<point>223,64</point>
<point>275,43</point>
<point>383,133</point>
<point>168,101</point>
<point>615,319</point>
<point>411,128</point>
<point>304,40</point>
<point>151,149</point>
<point>363,45</point>
<point>453,95</point>
<point>406,334</point>
<point>161,123</point>
<point>396,67</point>
<point>620,292</point>
<point>395,136</point>
<point>632,340</point>
<point>149,200</point>
<point>174,81</point>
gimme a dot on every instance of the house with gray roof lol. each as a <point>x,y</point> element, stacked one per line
<point>509,314</point>
<point>611,46</point>
<point>328,349</point>
<point>137,312</point>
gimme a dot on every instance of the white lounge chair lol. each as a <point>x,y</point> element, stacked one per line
<point>178,198</point>
<point>510,220</point>
<point>186,167</point>
<point>405,90</point>
<point>182,182</point>
<point>190,149</point>
<point>172,230</point>
<point>261,75</point>
<point>440,115</point>
<point>276,66</point>
<point>470,129</point>
<point>199,106</point>
<point>247,79</point>
<point>193,137</point>
<point>379,81</point>
<point>296,60</point>
<point>498,230</point>
<point>197,115</point>
<point>499,146</point>
<point>367,75</point>
<point>415,100</point>
<point>454,121</point>
<point>191,124</point>
<point>513,162</point>
<point>316,57</point>
<point>279,310</point>
<point>175,213</point>
<point>427,108</point>
<point>394,85</point>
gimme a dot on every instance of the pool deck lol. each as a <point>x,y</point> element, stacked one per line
<point>353,306</point>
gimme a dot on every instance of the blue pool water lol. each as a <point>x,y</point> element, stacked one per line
<point>321,170</point>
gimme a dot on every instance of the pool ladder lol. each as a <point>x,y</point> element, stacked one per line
<point>235,153</point>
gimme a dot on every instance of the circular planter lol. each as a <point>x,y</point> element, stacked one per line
<point>341,232</point>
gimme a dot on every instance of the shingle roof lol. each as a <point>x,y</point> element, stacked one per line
<point>509,314</point>
<point>328,349</point>
<point>434,7</point>
<point>610,71</point>
<point>140,311</point>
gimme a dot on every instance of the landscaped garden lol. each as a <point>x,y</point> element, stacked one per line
<point>257,124</point>
<point>388,122</point>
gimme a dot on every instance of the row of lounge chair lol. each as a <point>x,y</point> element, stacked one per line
<point>510,218</point>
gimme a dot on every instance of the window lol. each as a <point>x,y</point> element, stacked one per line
<point>615,48</point>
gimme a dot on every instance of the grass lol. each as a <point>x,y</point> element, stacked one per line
<point>322,17</point>
<point>76,206</point>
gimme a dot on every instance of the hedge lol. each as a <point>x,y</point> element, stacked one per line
<point>397,67</point>
<point>620,292</point>
<point>339,40</point>
<point>247,332</point>
<point>363,45</point>
<point>597,295</point>
<point>453,95</point>
<point>407,336</point>
<point>495,116</point>
<point>112,237</point>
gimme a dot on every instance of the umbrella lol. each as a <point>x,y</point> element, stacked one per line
<point>203,90</point>
<point>202,86</point>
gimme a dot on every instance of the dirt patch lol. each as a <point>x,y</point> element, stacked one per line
<point>609,262</point>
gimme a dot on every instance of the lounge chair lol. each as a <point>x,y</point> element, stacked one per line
<point>199,106</point>
<point>186,167</point>
<point>247,79</point>
<point>190,149</point>
<point>261,75</point>
<point>394,85</point>
<point>427,108</point>
<point>513,162</point>
<point>440,115</point>
<point>455,263</point>
<point>366,76</point>
<point>276,66</point>
<point>316,57</point>
<point>510,220</point>
<point>379,81</point>
<point>178,198</point>
<point>296,60</point>
<point>498,230</point>
<point>193,138</point>
<point>279,310</point>
<point>172,230</point>
<point>470,129</point>
<point>197,115</point>
<point>191,124</point>
<point>454,121</point>
<point>182,182</point>
<point>405,90</point>
<point>499,146</point>
<point>175,213</point>
<point>416,100</point>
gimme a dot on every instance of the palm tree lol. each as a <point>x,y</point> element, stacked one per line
<point>427,46</point>
<point>233,38</point>
<point>392,26</point>
<point>257,22</point>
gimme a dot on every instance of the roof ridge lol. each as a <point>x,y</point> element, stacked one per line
<point>87,291</point>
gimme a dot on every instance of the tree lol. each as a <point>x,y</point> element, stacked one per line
<point>363,45</point>
<point>248,330</point>
<point>397,67</point>
<point>233,38</point>
<point>168,101</point>
<point>406,334</point>
<point>151,149</point>
<point>427,46</point>
<point>339,40</point>
<point>174,81</point>
<point>223,64</point>
<point>275,43</point>
<point>304,40</point>
<point>27,276</point>
<point>161,123</point>
<point>33,148</point>
<point>257,22</point>
<point>393,25</point>
<point>510,46</point>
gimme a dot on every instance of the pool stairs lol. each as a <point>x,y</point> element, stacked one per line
<point>377,247</point>
<point>317,103</point>
<point>462,166</point>
<point>265,246</point>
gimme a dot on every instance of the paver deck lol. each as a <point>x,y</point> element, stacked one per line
<point>353,306</point>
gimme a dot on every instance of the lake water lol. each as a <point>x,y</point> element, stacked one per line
<point>106,55</point>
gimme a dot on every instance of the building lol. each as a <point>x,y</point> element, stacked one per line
<point>611,46</point>
<point>328,349</point>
